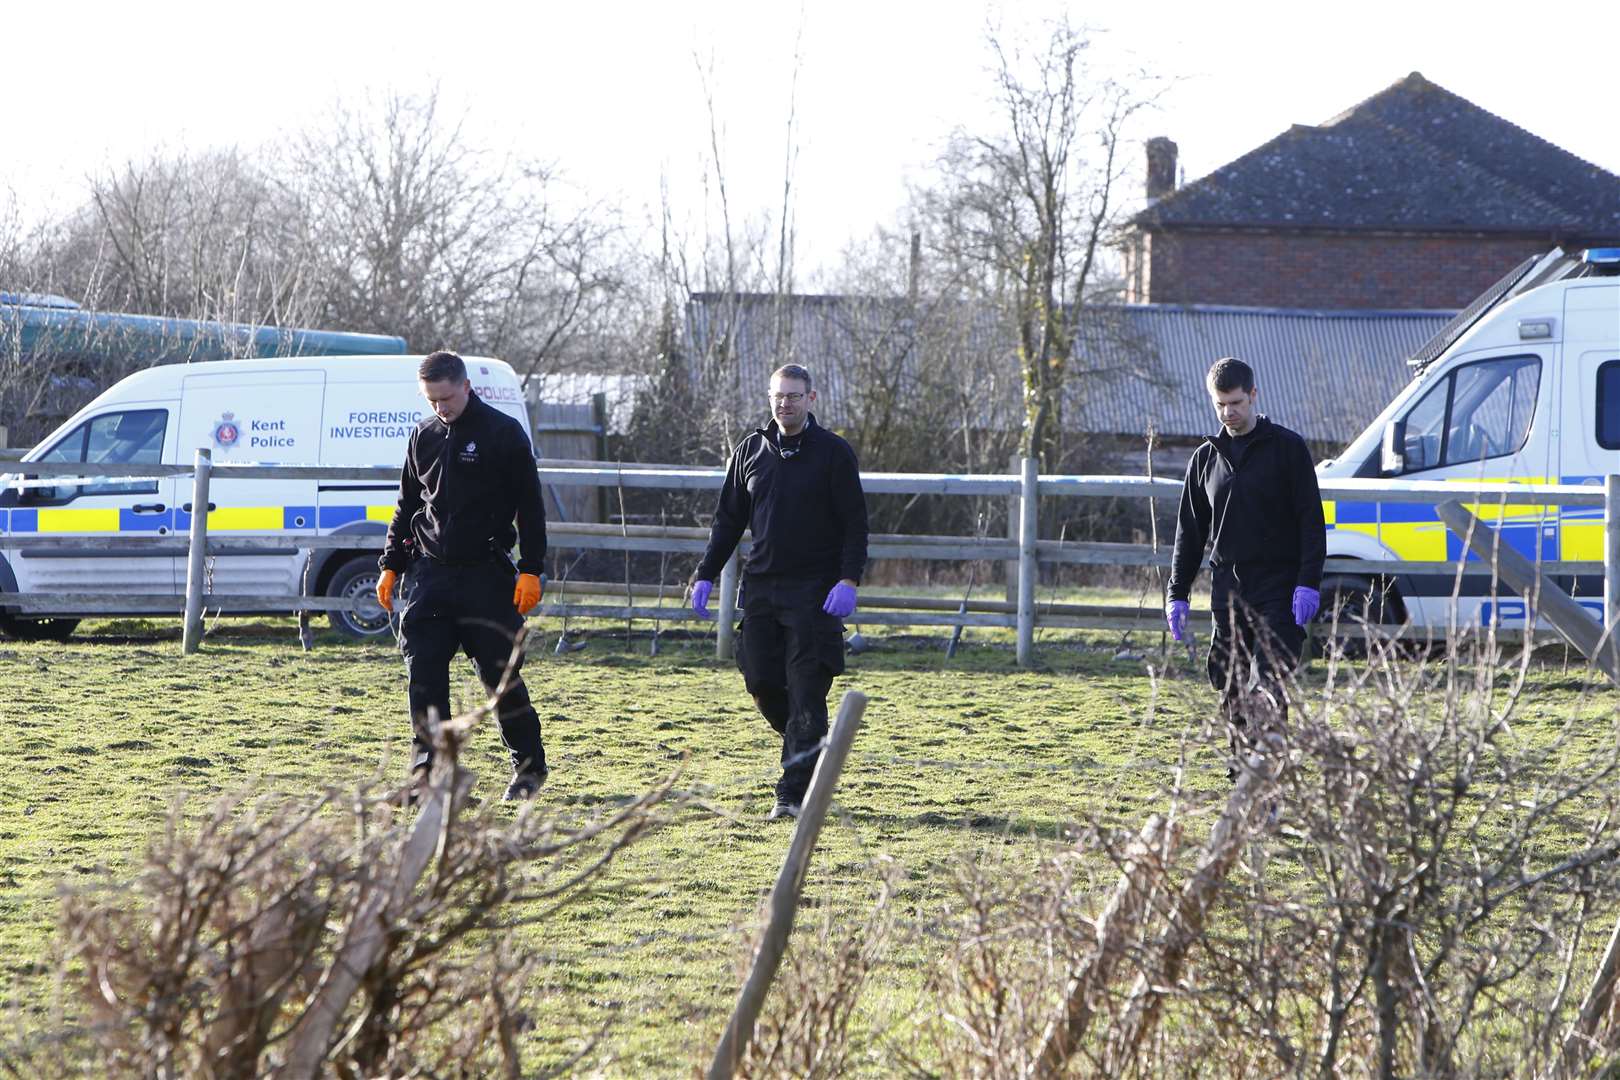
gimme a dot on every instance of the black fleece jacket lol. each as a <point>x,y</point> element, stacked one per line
<point>1257,502</point>
<point>460,489</point>
<point>806,510</point>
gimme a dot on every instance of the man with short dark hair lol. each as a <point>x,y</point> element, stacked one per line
<point>798,487</point>
<point>469,472</point>
<point>1251,494</point>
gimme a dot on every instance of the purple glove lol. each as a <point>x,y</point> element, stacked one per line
<point>1306,601</point>
<point>700,598</point>
<point>840,601</point>
<point>1175,613</point>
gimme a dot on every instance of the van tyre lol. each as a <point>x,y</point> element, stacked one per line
<point>37,629</point>
<point>1357,601</point>
<point>357,580</point>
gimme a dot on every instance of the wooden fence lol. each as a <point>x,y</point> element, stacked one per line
<point>1025,549</point>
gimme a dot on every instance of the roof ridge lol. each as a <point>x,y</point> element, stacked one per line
<point>1417,81</point>
<point>1438,155</point>
<point>1414,79</point>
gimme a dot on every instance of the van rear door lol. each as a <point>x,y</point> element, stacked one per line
<point>1589,440</point>
<point>257,418</point>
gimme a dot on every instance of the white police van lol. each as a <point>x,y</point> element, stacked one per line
<point>1523,386</point>
<point>329,410</point>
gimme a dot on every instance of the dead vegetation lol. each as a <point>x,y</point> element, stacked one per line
<point>1416,877</point>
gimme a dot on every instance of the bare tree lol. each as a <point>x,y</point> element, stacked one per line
<point>204,236</point>
<point>1023,212</point>
<point>421,233</point>
<point>209,236</point>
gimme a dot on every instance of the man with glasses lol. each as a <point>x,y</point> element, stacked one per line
<point>798,487</point>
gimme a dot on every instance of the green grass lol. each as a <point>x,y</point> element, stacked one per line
<point>957,758</point>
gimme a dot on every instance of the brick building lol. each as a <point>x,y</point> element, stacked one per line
<point>1414,198</point>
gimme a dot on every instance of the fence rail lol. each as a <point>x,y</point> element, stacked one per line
<point>1023,550</point>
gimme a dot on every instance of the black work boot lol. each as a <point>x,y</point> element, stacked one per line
<point>526,783</point>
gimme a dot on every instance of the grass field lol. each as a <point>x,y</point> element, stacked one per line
<point>959,759</point>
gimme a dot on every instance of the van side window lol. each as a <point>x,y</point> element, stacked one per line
<point>123,438</point>
<point>1608,405</point>
<point>1478,411</point>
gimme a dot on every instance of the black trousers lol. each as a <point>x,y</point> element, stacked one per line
<point>1251,652</point>
<point>469,608</point>
<point>789,651</point>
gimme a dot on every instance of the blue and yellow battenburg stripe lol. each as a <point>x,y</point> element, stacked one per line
<point>1415,532</point>
<point>110,520</point>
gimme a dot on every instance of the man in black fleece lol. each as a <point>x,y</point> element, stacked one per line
<point>798,487</point>
<point>1250,492</point>
<point>469,472</point>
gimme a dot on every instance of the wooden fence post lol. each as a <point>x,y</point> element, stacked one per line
<point>599,418</point>
<point>789,884</point>
<point>196,562</point>
<point>1541,596</point>
<point>1015,466</point>
<point>727,614</point>
<point>1028,530</point>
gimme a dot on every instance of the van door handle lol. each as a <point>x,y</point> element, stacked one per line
<point>187,508</point>
<point>149,508</point>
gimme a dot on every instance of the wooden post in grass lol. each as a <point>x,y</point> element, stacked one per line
<point>1141,873</point>
<point>789,884</point>
<point>727,614</point>
<point>196,562</point>
<point>1244,818</point>
<point>1541,596</point>
<point>1028,531</point>
<point>367,933</point>
<point>1582,1039</point>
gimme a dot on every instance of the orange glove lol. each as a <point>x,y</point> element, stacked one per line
<point>385,589</point>
<point>527,594</point>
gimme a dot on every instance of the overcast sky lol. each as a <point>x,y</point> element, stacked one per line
<point>611,91</point>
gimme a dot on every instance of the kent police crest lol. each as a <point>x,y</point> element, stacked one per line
<point>226,432</point>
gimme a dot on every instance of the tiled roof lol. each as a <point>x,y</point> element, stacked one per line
<point>1414,156</point>
<point>1138,364</point>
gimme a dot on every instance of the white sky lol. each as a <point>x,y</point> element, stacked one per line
<point>610,91</point>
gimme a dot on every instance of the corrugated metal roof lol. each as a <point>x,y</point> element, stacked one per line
<point>1325,374</point>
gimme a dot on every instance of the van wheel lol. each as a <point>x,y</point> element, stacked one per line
<point>37,629</point>
<point>357,580</point>
<point>1357,601</point>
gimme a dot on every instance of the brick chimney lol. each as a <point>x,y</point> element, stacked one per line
<point>1161,167</point>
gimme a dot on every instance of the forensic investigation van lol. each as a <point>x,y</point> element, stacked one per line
<point>1522,386</point>
<point>326,411</point>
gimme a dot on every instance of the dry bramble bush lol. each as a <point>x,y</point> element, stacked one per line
<point>1430,899</point>
<point>339,938</point>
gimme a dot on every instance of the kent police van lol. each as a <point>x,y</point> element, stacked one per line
<point>1523,386</point>
<point>330,411</point>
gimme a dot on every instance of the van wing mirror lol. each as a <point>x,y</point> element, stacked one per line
<point>32,496</point>
<point>1393,460</point>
